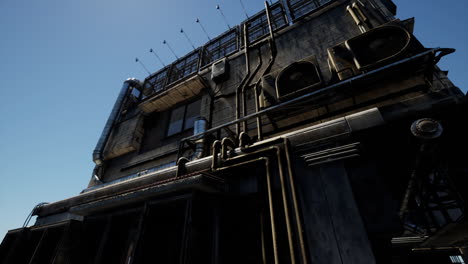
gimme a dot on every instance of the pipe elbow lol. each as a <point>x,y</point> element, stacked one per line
<point>133,82</point>
<point>226,144</point>
<point>244,140</point>
<point>215,149</point>
<point>181,169</point>
<point>97,157</point>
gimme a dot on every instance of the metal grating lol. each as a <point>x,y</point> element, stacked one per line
<point>257,26</point>
<point>221,47</point>
<point>156,82</point>
<point>457,259</point>
<point>184,66</point>
<point>300,8</point>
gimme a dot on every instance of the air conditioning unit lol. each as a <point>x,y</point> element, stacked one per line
<point>220,71</point>
<point>293,80</point>
<point>371,50</point>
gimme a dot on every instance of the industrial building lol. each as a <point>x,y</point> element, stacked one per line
<point>316,131</point>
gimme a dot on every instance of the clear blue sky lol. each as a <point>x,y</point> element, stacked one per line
<point>63,63</point>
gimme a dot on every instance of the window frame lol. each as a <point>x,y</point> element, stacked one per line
<point>184,119</point>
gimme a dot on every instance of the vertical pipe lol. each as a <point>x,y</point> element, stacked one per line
<point>270,197</point>
<point>247,66</point>
<point>356,19</point>
<point>270,26</point>
<point>273,51</point>
<point>200,126</point>
<point>285,203</point>
<point>295,203</point>
<point>262,237</point>
<point>244,104</point>
<point>271,41</point>
<point>271,208</point>
<point>216,147</point>
<point>257,108</point>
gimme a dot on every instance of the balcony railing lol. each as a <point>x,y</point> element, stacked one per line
<point>155,82</point>
<point>221,46</point>
<point>184,66</point>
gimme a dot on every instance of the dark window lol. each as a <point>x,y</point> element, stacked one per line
<point>185,66</point>
<point>155,82</point>
<point>220,47</point>
<point>303,7</point>
<point>257,26</point>
<point>155,130</point>
<point>183,117</point>
<point>135,93</point>
<point>176,121</point>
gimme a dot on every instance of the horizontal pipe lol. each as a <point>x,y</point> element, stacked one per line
<point>121,187</point>
<point>197,182</point>
<point>314,93</point>
<point>437,248</point>
<point>339,126</point>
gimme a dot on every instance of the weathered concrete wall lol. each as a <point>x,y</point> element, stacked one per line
<point>311,35</point>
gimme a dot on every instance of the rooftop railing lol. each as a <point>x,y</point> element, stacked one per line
<point>228,43</point>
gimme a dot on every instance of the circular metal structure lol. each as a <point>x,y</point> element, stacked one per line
<point>426,128</point>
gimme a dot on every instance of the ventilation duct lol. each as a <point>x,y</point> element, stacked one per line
<point>371,50</point>
<point>200,126</point>
<point>114,115</point>
<point>295,79</point>
<point>378,46</point>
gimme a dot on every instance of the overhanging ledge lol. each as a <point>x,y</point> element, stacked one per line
<point>197,182</point>
<point>164,181</point>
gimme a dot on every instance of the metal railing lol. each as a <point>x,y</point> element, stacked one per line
<point>300,8</point>
<point>257,26</point>
<point>184,66</point>
<point>228,43</point>
<point>221,47</point>
<point>156,82</point>
<point>319,92</point>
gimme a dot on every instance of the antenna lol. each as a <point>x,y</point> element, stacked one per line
<point>188,39</point>
<point>222,14</point>
<point>143,66</point>
<point>243,8</point>
<point>169,46</point>
<point>155,54</point>
<point>203,28</point>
